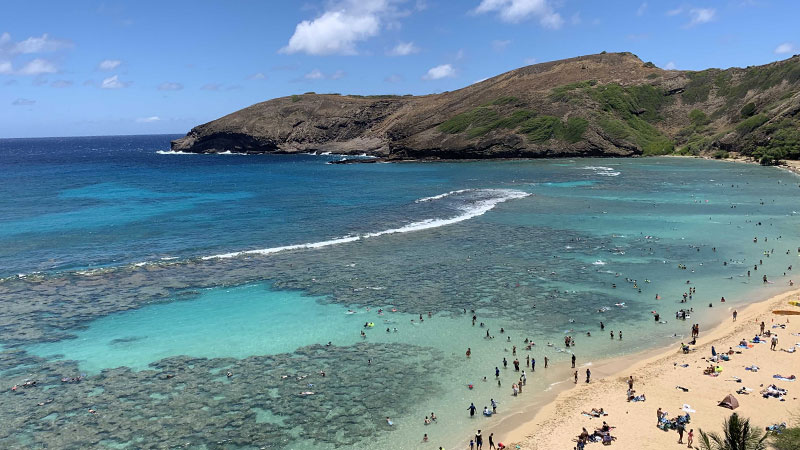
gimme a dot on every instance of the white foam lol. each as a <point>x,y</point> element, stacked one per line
<point>173,152</point>
<point>446,194</point>
<point>470,211</point>
<point>603,171</point>
<point>228,152</point>
<point>599,262</point>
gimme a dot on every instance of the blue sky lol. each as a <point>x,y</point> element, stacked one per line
<point>140,67</point>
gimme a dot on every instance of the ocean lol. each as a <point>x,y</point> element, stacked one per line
<point>160,299</point>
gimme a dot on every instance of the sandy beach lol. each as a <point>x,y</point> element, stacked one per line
<point>557,425</point>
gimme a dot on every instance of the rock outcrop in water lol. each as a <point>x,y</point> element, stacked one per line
<point>609,104</point>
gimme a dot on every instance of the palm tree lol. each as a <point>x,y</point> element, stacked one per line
<point>738,435</point>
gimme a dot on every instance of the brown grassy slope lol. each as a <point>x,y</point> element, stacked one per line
<point>606,105</point>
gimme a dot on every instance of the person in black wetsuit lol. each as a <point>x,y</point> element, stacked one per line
<point>471,409</point>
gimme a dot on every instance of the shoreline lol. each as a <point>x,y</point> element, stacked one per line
<point>555,423</point>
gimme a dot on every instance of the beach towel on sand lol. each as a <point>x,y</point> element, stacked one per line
<point>782,378</point>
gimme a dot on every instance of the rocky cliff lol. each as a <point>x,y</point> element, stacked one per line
<point>609,104</point>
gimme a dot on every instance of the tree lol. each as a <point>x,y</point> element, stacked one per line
<point>789,439</point>
<point>737,435</point>
<point>748,110</point>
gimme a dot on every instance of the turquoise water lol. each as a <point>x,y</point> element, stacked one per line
<point>156,274</point>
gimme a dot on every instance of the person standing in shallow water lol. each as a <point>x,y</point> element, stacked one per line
<point>545,362</point>
<point>573,360</point>
<point>471,409</point>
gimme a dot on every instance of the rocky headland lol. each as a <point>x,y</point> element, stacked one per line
<point>608,104</point>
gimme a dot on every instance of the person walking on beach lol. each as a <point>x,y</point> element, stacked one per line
<point>491,441</point>
<point>588,375</point>
<point>774,342</point>
<point>573,360</point>
<point>679,427</point>
<point>735,313</point>
<point>479,440</point>
<point>762,327</point>
<point>630,382</point>
<point>576,377</point>
<point>690,438</point>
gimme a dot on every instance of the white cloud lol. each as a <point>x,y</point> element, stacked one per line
<point>10,50</point>
<point>61,83</point>
<point>395,78</point>
<point>43,44</point>
<point>113,82</point>
<point>674,12</point>
<point>439,72</point>
<point>786,47</point>
<point>169,86</point>
<point>257,76</point>
<point>403,49</point>
<point>576,18</point>
<point>340,27</point>
<point>211,87</point>
<point>515,11</point>
<point>701,15</point>
<point>23,102</point>
<point>670,66</point>
<point>314,75</point>
<point>150,119</point>
<point>529,61</point>
<point>642,9</point>
<point>38,66</point>
<point>109,64</point>
<point>6,68</point>
<point>499,45</point>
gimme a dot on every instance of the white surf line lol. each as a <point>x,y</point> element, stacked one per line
<point>474,210</point>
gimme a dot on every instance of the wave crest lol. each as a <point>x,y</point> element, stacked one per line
<point>473,208</point>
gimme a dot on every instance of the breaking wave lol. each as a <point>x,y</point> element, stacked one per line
<point>484,201</point>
